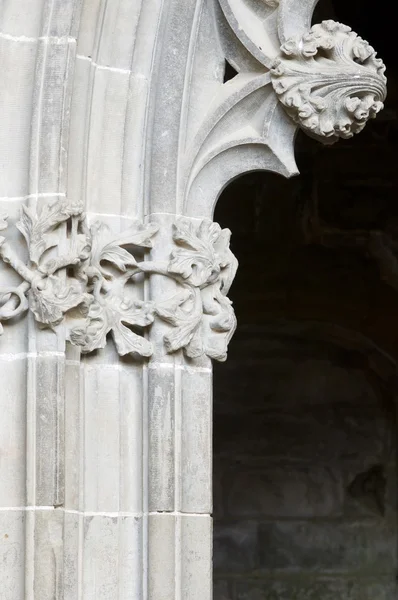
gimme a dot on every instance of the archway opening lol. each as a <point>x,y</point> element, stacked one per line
<point>305,470</point>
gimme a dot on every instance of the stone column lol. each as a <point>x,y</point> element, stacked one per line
<point>118,135</point>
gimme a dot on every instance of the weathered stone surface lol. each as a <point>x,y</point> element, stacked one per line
<point>12,554</point>
<point>195,555</point>
<point>236,547</point>
<point>319,110</point>
<point>121,108</point>
<point>106,539</point>
<point>290,380</point>
<point>288,447</point>
<point>285,490</point>
<point>314,589</point>
<point>12,432</point>
<point>327,546</point>
<point>221,591</point>
<point>324,433</point>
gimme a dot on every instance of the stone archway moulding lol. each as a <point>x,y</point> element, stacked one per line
<point>119,133</point>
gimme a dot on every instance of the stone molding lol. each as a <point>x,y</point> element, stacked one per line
<point>87,282</point>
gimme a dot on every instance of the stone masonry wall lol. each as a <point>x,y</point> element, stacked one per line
<point>304,473</point>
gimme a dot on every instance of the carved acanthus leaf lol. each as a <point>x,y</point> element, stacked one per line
<point>96,273</point>
<point>109,268</point>
<point>184,312</point>
<point>40,230</point>
<point>203,317</point>
<point>111,314</point>
<point>330,81</point>
<point>106,247</point>
<point>201,254</point>
<point>50,298</point>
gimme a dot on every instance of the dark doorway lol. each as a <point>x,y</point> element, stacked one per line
<point>305,408</point>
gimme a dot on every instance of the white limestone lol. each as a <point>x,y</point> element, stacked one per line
<point>119,109</point>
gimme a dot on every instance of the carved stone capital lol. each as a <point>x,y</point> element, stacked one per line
<point>329,81</point>
<point>87,278</point>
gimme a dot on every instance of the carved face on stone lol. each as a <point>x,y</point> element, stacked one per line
<point>330,81</point>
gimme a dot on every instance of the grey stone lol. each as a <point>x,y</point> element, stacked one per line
<point>328,546</point>
<point>324,433</point>
<point>315,588</point>
<point>236,546</point>
<point>285,490</point>
<point>121,107</point>
<point>221,590</point>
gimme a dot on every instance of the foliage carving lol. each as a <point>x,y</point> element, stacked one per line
<point>330,81</point>
<point>84,277</point>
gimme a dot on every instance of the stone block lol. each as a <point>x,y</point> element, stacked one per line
<point>161,556</point>
<point>73,441</point>
<point>195,556</point>
<point>73,523</point>
<point>12,554</point>
<point>132,401</point>
<point>371,490</point>
<point>161,439</point>
<point>236,546</point>
<point>104,174</point>
<point>327,546</point>
<point>16,107</point>
<point>46,427</point>
<point>53,61</point>
<point>319,433</point>
<point>354,588</point>
<point>13,432</point>
<point>116,50</point>
<point>113,438</point>
<point>196,442</point>
<point>112,551</point>
<point>45,541</point>
<point>101,439</point>
<point>286,491</point>
<point>221,590</point>
<point>290,380</point>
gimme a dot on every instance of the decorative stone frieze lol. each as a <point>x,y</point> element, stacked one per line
<point>84,277</point>
<point>330,81</point>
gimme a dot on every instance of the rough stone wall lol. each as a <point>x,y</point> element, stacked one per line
<point>305,473</point>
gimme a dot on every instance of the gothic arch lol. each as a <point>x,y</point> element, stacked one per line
<point>119,133</point>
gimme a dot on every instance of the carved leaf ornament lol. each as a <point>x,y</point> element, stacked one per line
<point>330,81</point>
<point>89,285</point>
<point>206,267</point>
